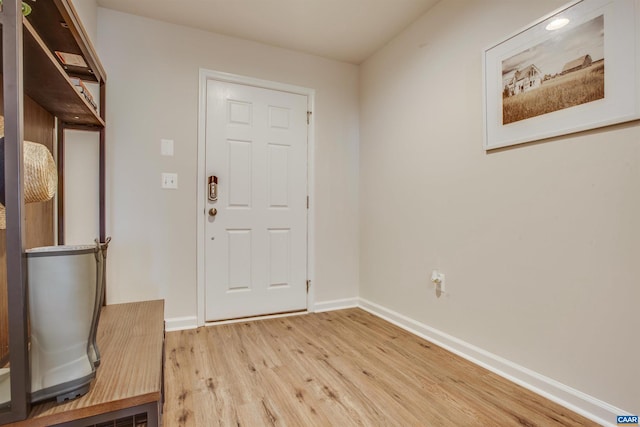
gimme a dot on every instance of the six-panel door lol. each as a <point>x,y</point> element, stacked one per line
<point>256,243</point>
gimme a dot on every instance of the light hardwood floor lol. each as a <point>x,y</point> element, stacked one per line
<point>340,368</point>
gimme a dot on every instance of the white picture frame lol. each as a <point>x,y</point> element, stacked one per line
<point>541,83</point>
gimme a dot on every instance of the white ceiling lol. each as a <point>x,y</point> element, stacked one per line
<point>345,30</point>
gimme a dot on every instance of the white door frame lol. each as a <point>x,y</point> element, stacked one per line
<point>201,217</point>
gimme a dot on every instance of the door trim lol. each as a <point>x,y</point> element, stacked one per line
<point>201,218</point>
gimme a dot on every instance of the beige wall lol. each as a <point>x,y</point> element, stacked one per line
<point>152,93</point>
<point>540,243</point>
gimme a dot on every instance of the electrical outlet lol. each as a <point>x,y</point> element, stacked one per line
<point>170,180</point>
<point>438,280</point>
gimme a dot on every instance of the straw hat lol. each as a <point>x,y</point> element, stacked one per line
<point>40,174</point>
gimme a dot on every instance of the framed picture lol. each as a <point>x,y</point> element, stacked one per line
<point>575,69</point>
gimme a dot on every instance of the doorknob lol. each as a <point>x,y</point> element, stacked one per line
<point>213,212</point>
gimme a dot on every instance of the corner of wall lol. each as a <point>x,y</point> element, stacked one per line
<point>575,400</point>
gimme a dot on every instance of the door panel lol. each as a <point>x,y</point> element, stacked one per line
<point>239,168</point>
<point>278,175</point>
<point>279,257</point>
<point>256,244</point>
<point>239,258</point>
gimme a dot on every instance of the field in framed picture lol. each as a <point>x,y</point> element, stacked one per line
<point>573,70</point>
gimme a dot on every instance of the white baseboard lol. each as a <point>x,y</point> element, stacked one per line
<point>337,304</point>
<point>191,322</point>
<point>180,323</point>
<point>579,402</point>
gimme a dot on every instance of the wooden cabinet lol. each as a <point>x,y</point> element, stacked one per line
<point>37,88</point>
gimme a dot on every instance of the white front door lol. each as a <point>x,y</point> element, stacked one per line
<point>256,240</point>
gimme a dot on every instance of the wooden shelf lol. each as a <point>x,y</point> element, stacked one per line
<point>57,24</point>
<point>131,340</point>
<point>45,81</point>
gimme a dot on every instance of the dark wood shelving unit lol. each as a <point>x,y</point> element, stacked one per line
<point>30,67</point>
<point>54,26</point>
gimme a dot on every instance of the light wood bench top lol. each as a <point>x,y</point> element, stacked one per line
<point>130,340</point>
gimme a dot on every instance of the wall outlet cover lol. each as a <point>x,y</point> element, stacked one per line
<point>170,180</point>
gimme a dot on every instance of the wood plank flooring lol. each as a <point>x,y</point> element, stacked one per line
<point>341,368</point>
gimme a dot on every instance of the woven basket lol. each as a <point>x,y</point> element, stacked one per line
<point>40,174</point>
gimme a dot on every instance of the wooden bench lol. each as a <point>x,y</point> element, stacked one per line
<point>129,381</point>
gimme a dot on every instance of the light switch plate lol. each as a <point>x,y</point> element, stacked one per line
<point>169,180</point>
<point>166,147</point>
